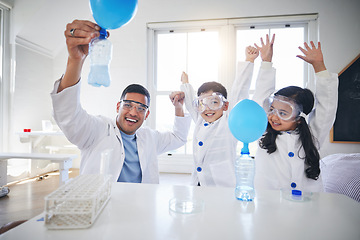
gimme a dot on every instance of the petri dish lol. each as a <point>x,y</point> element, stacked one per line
<point>186,206</point>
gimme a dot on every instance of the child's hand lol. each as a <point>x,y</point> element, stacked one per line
<point>266,50</point>
<point>251,53</point>
<point>184,78</point>
<point>313,56</point>
<point>177,98</point>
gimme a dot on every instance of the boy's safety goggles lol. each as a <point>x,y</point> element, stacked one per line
<point>285,108</point>
<point>213,102</point>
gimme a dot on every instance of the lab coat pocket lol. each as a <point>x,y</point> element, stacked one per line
<point>223,173</point>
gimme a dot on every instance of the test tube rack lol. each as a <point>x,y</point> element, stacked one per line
<point>78,203</point>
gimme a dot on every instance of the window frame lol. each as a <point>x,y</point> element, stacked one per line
<point>5,75</point>
<point>227,64</point>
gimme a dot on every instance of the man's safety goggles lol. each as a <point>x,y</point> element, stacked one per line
<point>130,104</point>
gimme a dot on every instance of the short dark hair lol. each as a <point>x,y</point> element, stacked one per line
<point>136,88</point>
<point>212,86</point>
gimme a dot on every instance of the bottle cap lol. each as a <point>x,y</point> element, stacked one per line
<point>296,192</point>
<point>103,33</point>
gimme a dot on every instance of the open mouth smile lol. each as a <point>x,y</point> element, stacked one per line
<point>131,120</point>
<point>276,124</point>
<point>210,114</point>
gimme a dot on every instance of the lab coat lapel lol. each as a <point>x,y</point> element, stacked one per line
<point>140,143</point>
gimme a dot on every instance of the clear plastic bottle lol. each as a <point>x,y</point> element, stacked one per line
<point>245,173</point>
<point>100,53</point>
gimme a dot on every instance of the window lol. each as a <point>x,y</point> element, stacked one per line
<point>208,51</point>
<point>4,75</point>
<point>287,40</point>
<point>194,52</point>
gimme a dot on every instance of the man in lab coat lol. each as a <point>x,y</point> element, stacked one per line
<point>132,149</point>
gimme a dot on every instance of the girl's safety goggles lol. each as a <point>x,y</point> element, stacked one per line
<point>285,108</point>
<point>213,102</point>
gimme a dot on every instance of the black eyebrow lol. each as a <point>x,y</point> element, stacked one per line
<point>283,110</point>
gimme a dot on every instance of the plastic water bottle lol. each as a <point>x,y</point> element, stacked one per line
<point>245,173</point>
<point>100,53</point>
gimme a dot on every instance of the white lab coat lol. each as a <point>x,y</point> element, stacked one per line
<point>286,165</point>
<point>214,157</point>
<point>95,134</point>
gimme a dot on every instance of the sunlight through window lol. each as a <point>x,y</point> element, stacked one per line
<point>210,53</point>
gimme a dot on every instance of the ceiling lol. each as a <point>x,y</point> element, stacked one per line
<point>40,24</point>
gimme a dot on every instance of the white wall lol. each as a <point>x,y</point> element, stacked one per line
<point>338,31</point>
<point>31,100</point>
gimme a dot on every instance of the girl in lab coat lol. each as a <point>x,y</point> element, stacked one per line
<point>288,157</point>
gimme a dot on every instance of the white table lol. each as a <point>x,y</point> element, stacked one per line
<point>64,160</point>
<point>141,211</point>
<point>36,137</point>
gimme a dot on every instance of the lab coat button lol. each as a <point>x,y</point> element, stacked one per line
<point>199,169</point>
<point>291,154</point>
<point>206,124</point>
<point>201,143</point>
<point>293,185</point>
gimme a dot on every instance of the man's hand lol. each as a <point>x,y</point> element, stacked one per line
<point>78,35</point>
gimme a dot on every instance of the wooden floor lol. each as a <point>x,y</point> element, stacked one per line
<point>26,198</point>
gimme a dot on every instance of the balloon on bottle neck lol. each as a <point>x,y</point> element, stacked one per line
<point>113,14</point>
<point>247,122</point>
<point>245,149</point>
<point>108,14</point>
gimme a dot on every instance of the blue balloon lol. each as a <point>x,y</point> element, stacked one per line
<point>112,14</point>
<point>247,121</point>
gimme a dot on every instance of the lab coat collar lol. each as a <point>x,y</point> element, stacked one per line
<point>212,123</point>
<point>291,132</point>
